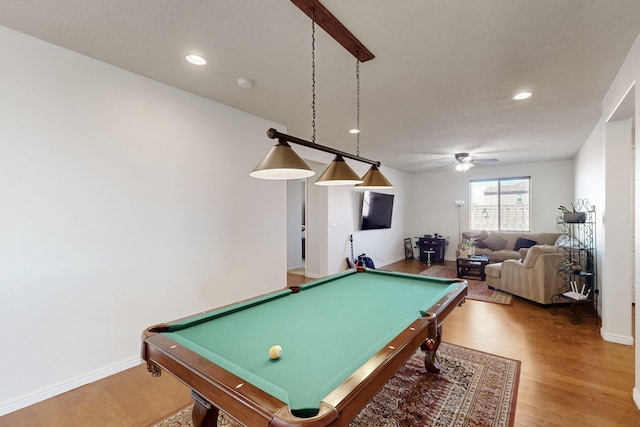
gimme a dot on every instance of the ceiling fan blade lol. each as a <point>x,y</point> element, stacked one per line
<point>484,160</point>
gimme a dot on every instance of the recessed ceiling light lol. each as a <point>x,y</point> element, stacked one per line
<point>196,59</point>
<point>354,130</point>
<point>522,95</point>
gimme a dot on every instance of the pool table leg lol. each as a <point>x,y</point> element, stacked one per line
<point>204,413</point>
<point>430,346</point>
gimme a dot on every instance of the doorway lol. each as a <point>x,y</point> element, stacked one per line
<point>296,226</point>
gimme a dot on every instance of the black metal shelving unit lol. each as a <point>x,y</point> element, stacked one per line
<point>578,268</point>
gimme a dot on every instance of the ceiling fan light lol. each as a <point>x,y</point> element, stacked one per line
<point>338,173</point>
<point>374,180</point>
<point>282,163</point>
<point>463,166</point>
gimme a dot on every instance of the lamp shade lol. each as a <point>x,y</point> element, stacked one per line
<point>374,180</point>
<point>282,163</point>
<point>338,173</point>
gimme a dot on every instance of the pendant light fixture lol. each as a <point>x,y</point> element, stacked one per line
<point>338,173</point>
<point>282,162</point>
<point>374,180</point>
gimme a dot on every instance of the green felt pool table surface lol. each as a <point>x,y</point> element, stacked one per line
<point>327,331</point>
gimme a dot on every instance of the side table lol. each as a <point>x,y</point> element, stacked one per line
<point>472,266</point>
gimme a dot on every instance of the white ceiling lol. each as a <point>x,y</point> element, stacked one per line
<point>441,82</point>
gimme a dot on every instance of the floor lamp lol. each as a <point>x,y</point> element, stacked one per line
<point>459,204</point>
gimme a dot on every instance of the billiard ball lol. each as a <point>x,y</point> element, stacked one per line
<point>275,352</point>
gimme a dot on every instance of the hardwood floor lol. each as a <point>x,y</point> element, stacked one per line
<point>569,377</point>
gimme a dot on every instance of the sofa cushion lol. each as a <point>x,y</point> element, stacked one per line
<point>543,238</point>
<point>493,270</point>
<point>495,242</point>
<point>521,242</point>
<point>503,255</point>
<point>535,252</point>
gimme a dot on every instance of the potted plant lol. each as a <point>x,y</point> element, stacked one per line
<point>468,248</point>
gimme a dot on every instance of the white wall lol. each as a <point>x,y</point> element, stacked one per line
<point>617,262</point>
<point>124,203</point>
<point>433,211</point>
<point>603,175</point>
<point>317,214</point>
<point>382,246</point>
<point>590,184</point>
<point>333,214</point>
<point>595,180</point>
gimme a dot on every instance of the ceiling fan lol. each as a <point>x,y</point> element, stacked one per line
<point>464,161</point>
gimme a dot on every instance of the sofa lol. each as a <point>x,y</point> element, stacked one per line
<point>504,245</point>
<point>535,278</point>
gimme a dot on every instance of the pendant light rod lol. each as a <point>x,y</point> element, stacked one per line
<point>274,134</point>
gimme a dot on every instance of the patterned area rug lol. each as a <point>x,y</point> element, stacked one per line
<point>478,290</point>
<point>472,389</point>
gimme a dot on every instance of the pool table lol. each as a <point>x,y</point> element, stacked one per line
<point>342,338</point>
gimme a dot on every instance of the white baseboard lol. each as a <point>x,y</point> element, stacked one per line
<point>618,339</point>
<point>636,396</point>
<point>313,275</point>
<point>30,399</point>
<point>397,260</point>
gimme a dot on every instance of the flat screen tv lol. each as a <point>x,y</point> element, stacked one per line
<point>377,209</point>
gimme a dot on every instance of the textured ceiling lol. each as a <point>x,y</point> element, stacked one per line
<point>441,82</point>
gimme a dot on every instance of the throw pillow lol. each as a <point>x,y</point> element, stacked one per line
<point>481,244</point>
<point>495,242</point>
<point>521,242</point>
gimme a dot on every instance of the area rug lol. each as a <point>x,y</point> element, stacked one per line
<point>478,289</point>
<point>472,389</point>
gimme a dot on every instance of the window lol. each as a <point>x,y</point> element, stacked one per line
<point>500,204</point>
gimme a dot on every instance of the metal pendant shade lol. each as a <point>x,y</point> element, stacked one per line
<point>338,173</point>
<point>374,180</point>
<point>282,163</point>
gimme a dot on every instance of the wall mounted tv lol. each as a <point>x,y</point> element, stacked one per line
<point>377,209</point>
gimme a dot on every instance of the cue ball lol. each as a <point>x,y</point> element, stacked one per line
<point>275,352</point>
